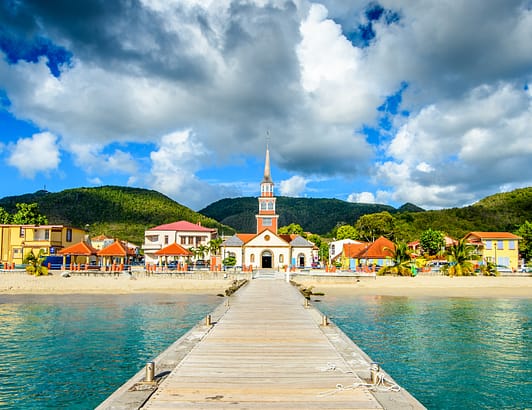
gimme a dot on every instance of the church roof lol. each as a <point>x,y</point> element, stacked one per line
<point>233,241</point>
<point>299,241</point>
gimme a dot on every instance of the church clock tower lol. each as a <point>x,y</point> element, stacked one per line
<point>267,219</point>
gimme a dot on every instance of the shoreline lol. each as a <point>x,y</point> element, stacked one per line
<point>17,283</point>
<point>429,286</point>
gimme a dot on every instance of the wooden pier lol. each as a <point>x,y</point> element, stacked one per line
<point>266,350</point>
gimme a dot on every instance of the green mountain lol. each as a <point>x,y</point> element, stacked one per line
<point>111,210</point>
<point>316,215</point>
<point>502,212</point>
<point>127,212</point>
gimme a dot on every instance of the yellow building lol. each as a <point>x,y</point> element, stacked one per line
<point>17,241</point>
<point>500,248</point>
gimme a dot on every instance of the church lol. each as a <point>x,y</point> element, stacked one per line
<point>266,249</point>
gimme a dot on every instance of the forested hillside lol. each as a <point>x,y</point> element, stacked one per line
<point>315,215</point>
<point>115,211</point>
<point>127,212</point>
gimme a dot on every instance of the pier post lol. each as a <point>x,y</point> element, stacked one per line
<point>208,321</point>
<point>324,320</point>
<point>150,372</point>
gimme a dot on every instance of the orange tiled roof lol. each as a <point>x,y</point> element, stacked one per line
<point>173,249</point>
<point>492,235</point>
<point>80,248</point>
<point>246,237</point>
<point>116,249</point>
<point>350,250</point>
<point>381,248</point>
<point>100,238</point>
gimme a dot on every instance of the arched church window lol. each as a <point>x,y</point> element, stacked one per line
<point>252,258</point>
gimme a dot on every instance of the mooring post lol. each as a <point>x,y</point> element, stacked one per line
<point>307,304</point>
<point>374,371</point>
<point>208,321</point>
<point>324,321</point>
<point>150,372</point>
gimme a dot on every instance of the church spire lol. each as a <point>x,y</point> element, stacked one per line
<point>267,172</point>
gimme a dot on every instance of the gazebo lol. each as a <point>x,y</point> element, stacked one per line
<point>173,250</point>
<point>80,249</point>
<point>115,256</point>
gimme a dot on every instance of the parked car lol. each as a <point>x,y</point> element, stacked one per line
<point>503,269</point>
<point>436,266</point>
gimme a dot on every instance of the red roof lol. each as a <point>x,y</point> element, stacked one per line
<point>116,249</point>
<point>81,248</point>
<point>173,250</point>
<point>182,226</point>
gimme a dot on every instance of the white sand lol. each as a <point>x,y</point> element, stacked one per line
<point>22,283</point>
<point>473,286</point>
<point>478,286</point>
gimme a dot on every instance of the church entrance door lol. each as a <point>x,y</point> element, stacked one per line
<point>267,260</point>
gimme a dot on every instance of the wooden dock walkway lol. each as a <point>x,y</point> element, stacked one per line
<point>269,351</point>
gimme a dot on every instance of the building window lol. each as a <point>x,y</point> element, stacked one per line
<point>252,258</point>
<point>500,245</point>
<point>488,245</point>
<point>267,222</point>
<point>22,232</point>
<point>281,258</point>
<point>47,235</point>
<point>166,239</point>
<point>511,245</point>
<point>270,206</point>
<point>69,235</point>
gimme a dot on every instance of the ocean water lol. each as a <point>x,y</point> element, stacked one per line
<point>450,353</point>
<point>71,352</point>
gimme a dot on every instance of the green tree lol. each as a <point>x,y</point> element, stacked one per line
<point>432,241</point>
<point>525,245</point>
<point>293,228</point>
<point>372,226</point>
<point>28,214</point>
<point>346,232</point>
<point>229,261</point>
<point>214,245</point>
<point>5,218</point>
<point>461,256</point>
<point>35,263</point>
<point>402,261</point>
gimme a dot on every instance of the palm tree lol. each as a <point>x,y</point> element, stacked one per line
<point>214,245</point>
<point>402,261</point>
<point>461,256</point>
<point>35,263</point>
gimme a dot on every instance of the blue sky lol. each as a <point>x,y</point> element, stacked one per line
<point>422,101</point>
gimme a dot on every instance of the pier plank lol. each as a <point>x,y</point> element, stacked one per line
<point>267,351</point>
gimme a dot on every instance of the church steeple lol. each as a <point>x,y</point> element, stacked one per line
<point>267,219</point>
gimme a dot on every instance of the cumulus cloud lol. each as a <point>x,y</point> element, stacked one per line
<point>294,186</point>
<point>38,153</point>
<point>449,152</point>
<point>174,164</point>
<point>361,197</point>
<point>315,74</point>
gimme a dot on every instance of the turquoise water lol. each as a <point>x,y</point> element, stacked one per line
<point>71,352</point>
<point>450,353</point>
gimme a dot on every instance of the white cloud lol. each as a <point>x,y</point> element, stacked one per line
<point>449,152</point>
<point>294,186</point>
<point>174,165</point>
<point>92,159</point>
<point>38,153</point>
<point>361,197</point>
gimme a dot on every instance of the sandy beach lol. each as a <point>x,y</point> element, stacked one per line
<point>433,286</point>
<point>430,286</point>
<point>22,283</point>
